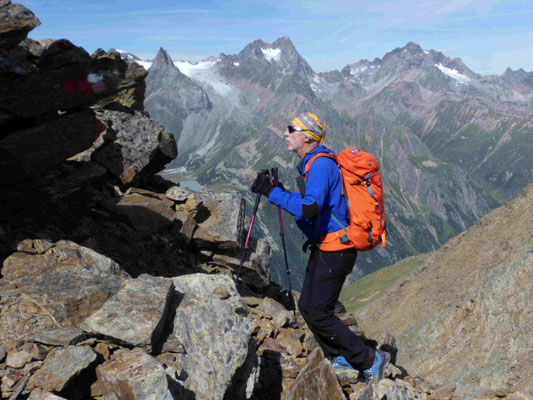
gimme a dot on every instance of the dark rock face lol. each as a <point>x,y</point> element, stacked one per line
<point>138,142</point>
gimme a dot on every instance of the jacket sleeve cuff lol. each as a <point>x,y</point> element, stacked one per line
<point>275,196</point>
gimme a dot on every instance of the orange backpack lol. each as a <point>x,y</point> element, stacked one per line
<point>363,191</point>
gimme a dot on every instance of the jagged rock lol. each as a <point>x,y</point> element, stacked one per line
<point>220,220</point>
<point>136,314</point>
<point>61,53</point>
<point>103,350</point>
<point>2,354</point>
<point>271,345</point>
<point>18,359</point>
<point>46,292</point>
<point>34,246</point>
<point>78,81</point>
<point>140,144</point>
<point>255,270</point>
<point>15,23</point>
<point>36,47</point>
<point>61,366</point>
<point>133,375</point>
<point>58,337</point>
<point>271,309</point>
<point>177,193</point>
<point>132,98</point>
<point>39,352</point>
<point>10,380</point>
<point>148,212</point>
<point>215,333</point>
<point>30,149</point>
<point>38,394</point>
<point>316,381</point>
<point>291,341</point>
<point>391,390</point>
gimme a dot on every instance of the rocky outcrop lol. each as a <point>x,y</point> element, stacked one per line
<point>40,290</point>
<point>70,122</point>
<point>211,324</point>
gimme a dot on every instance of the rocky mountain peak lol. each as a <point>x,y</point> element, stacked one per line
<point>281,54</point>
<point>519,75</point>
<point>162,59</point>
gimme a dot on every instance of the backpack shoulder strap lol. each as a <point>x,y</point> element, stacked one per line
<point>313,158</point>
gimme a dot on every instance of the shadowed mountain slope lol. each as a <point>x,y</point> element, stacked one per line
<point>463,313</point>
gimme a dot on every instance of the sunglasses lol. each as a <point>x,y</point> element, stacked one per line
<point>292,129</point>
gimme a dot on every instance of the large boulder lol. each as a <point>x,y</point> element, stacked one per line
<point>134,375</point>
<point>64,77</point>
<point>220,219</point>
<point>136,315</point>
<point>40,147</point>
<point>15,23</point>
<point>140,143</point>
<point>61,366</point>
<point>58,284</point>
<point>212,326</point>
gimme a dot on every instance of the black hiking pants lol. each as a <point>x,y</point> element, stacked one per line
<point>324,277</point>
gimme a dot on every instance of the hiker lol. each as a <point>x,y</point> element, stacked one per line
<point>330,260</point>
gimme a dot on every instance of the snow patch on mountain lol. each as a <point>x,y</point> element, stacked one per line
<point>204,72</point>
<point>453,73</point>
<point>358,70</point>
<point>145,64</point>
<point>272,54</point>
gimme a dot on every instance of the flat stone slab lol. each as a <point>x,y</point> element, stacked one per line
<point>58,337</point>
<point>136,314</point>
<point>61,366</point>
<point>133,375</point>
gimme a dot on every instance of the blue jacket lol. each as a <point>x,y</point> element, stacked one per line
<point>324,186</point>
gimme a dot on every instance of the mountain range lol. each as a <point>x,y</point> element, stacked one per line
<point>452,144</point>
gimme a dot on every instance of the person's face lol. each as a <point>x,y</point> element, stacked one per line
<point>294,140</point>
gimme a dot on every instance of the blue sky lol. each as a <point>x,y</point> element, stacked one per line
<point>488,35</point>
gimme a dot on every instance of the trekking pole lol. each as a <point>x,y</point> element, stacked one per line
<point>274,177</point>
<point>258,197</point>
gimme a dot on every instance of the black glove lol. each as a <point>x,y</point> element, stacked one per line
<point>276,182</point>
<point>262,184</point>
<point>275,179</point>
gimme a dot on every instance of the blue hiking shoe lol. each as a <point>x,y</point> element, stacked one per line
<point>378,368</point>
<point>340,362</point>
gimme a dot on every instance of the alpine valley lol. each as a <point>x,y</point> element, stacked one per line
<point>452,144</point>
